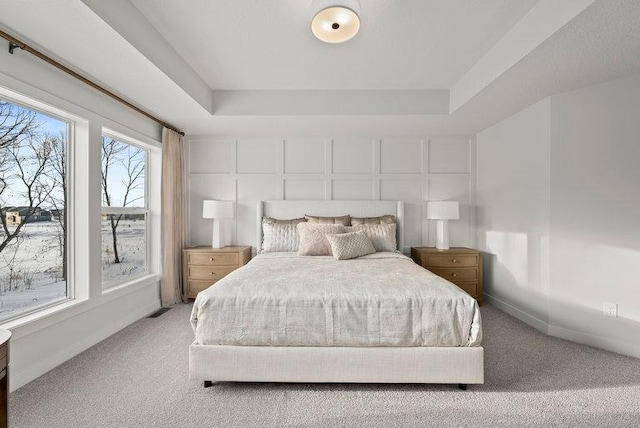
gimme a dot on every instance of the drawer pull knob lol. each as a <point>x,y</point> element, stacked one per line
<point>211,259</point>
<point>454,274</point>
<point>454,260</point>
<point>213,274</point>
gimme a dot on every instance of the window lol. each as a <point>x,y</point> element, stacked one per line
<point>33,207</point>
<point>124,210</point>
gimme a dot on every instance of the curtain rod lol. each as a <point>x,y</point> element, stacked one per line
<point>15,43</point>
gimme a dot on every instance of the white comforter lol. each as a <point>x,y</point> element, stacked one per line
<point>384,299</point>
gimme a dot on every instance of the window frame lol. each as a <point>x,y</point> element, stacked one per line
<point>106,210</point>
<point>70,121</point>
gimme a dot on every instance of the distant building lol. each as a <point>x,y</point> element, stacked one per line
<point>18,215</point>
<point>57,215</point>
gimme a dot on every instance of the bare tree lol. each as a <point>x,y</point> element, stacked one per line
<point>132,162</point>
<point>30,161</point>
<point>16,126</point>
<point>15,123</point>
<point>57,198</point>
<point>9,260</point>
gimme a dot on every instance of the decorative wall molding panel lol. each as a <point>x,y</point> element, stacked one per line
<point>247,170</point>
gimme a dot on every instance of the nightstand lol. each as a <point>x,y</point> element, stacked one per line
<point>462,266</point>
<point>202,266</point>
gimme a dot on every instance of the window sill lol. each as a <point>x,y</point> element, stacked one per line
<point>52,315</point>
<point>134,283</point>
<point>46,312</point>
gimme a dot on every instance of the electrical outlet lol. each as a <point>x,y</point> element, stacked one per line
<point>610,309</point>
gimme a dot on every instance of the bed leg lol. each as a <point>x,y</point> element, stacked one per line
<point>462,386</point>
<point>207,383</point>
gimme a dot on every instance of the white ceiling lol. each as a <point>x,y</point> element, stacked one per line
<point>252,67</point>
<point>402,44</point>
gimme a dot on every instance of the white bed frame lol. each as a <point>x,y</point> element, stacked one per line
<point>453,365</point>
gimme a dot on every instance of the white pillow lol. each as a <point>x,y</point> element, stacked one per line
<point>313,240</point>
<point>383,236</point>
<point>350,245</point>
<point>278,237</point>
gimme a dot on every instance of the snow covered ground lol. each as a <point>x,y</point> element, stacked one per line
<point>131,249</point>
<point>34,277</point>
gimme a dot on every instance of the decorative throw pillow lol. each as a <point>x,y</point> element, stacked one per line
<point>279,237</point>
<point>350,245</point>
<point>344,220</point>
<point>313,241</point>
<point>383,236</point>
<point>383,219</point>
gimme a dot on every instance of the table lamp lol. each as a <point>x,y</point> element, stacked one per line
<point>218,211</point>
<point>442,211</point>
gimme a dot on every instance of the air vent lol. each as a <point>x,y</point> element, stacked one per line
<point>159,312</point>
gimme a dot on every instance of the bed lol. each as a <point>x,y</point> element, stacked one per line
<point>375,319</point>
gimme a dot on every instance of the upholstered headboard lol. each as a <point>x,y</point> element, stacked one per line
<point>296,209</point>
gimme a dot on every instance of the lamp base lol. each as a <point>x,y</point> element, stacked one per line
<point>442,235</point>
<point>217,240</point>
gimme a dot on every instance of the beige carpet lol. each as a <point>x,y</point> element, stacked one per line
<point>138,378</point>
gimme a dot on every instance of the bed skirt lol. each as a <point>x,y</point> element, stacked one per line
<point>463,365</point>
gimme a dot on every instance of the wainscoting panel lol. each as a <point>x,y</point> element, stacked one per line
<point>401,157</point>
<point>411,170</point>
<point>222,163</point>
<point>304,156</point>
<point>352,190</point>
<point>259,156</point>
<point>306,188</point>
<point>449,155</point>
<point>351,156</point>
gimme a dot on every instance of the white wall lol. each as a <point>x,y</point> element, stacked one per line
<point>595,219</point>
<point>513,209</point>
<point>411,170</point>
<point>43,343</point>
<point>579,154</point>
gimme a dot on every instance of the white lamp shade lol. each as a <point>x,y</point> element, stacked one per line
<point>443,210</point>
<point>217,209</point>
<point>335,21</point>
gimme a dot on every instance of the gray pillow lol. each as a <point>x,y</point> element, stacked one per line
<point>344,220</point>
<point>293,221</point>
<point>383,219</point>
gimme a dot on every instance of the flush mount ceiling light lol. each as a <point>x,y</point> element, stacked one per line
<point>335,21</point>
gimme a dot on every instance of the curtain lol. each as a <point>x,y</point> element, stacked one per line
<point>173,217</point>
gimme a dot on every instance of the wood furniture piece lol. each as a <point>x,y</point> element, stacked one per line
<point>219,363</point>
<point>203,266</point>
<point>462,266</point>
<point>5,335</point>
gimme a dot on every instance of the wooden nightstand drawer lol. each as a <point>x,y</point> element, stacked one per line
<point>455,275</point>
<point>452,260</point>
<point>469,287</point>
<point>203,266</point>
<point>213,259</point>
<point>462,266</point>
<point>197,286</point>
<point>210,272</point>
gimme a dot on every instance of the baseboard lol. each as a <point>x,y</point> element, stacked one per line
<point>19,378</point>
<point>605,343</point>
<point>518,313</point>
